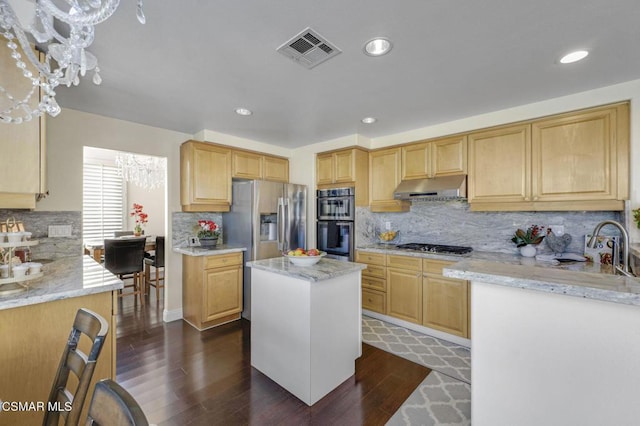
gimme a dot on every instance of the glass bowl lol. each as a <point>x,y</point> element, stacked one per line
<point>388,236</point>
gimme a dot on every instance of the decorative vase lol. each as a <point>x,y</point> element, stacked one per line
<point>208,241</point>
<point>528,251</point>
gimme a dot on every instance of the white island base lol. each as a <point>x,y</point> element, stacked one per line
<point>305,334</point>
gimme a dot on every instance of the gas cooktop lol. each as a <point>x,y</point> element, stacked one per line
<point>435,248</point>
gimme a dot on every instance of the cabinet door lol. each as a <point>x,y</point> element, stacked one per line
<point>404,294</point>
<point>445,305</point>
<point>344,166</point>
<point>324,169</point>
<point>374,301</point>
<point>276,169</point>
<point>384,177</point>
<point>574,157</point>
<point>449,156</point>
<point>205,177</point>
<point>22,158</point>
<point>500,165</point>
<point>222,293</point>
<point>416,161</point>
<point>246,165</point>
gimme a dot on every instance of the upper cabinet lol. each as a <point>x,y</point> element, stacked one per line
<point>205,177</point>
<point>253,165</point>
<point>385,172</point>
<point>344,168</point>
<point>22,146</point>
<point>573,161</point>
<point>440,157</point>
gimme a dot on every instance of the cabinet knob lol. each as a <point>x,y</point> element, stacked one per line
<point>418,274</point>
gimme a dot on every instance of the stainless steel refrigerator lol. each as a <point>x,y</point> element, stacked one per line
<point>268,218</point>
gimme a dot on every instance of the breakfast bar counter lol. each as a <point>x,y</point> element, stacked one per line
<point>573,333</point>
<point>306,324</point>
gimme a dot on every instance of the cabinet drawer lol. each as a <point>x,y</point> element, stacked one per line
<point>370,258</point>
<point>223,260</point>
<point>374,283</point>
<point>404,262</point>
<point>375,271</point>
<point>431,266</point>
<point>374,301</point>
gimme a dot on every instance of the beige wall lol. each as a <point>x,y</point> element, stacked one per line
<point>70,131</point>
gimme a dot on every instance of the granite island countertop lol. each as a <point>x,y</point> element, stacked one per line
<point>63,279</point>
<point>200,251</point>
<point>323,270</point>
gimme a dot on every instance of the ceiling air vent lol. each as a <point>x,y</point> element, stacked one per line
<point>308,48</point>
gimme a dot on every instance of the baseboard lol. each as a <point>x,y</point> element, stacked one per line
<point>172,315</point>
<point>420,329</point>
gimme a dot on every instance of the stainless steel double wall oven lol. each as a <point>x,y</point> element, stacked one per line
<point>335,225</point>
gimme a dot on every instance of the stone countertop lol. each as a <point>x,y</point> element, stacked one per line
<point>64,278</point>
<point>588,280</point>
<point>323,270</point>
<point>199,251</point>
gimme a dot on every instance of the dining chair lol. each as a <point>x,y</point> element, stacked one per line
<point>111,404</point>
<point>156,261</point>
<point>124,257</point>
<point>81,365</point>
<point>117,234</point>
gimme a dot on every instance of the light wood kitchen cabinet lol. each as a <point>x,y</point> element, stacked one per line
<point>500,165</point>
<point>576,156</point>
<point>205,177</point>
<point>374,283</point>
<point>345,168</point>
<point>22,146</point>
<point>385,174</point>
<point>276,169</point>
<point>445,305</point>
<point>252,165</point>
<point>440,157</point>
<point>212,289</point>
<point>573,161</point>
<point>404,288</point>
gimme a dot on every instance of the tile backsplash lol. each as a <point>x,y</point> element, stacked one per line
<point>38,222</point>
<point>452,222</point>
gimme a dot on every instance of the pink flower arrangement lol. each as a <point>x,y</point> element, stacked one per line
<point>207,228</point>
<point>141,217</point>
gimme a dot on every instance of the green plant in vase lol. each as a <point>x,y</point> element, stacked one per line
<point>527,240</point>
<point>207,232</point>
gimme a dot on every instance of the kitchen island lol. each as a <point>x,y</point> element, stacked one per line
<point>552,345</point>
<point>306,327</point>
<point>35,325</point>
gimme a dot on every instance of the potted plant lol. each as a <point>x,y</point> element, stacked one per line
<point>141,219</point>
<point>208,232</point>
<point>527,241</point>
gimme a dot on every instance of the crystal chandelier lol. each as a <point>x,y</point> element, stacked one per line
<point>66,55</point>
<point>142,170</point>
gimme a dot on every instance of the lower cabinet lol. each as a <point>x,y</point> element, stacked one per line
<point>445,302</point>
<point>211,289</point>
<point>404,288</point>
<point>374,282</point>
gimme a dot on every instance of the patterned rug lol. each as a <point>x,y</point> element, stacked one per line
<point>444,397</point>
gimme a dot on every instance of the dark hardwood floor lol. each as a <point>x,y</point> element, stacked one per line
<point>181,376</point>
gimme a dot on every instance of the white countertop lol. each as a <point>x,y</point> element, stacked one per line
<point>63,279</point>
<point>199,251</point>
<point>323,270</point>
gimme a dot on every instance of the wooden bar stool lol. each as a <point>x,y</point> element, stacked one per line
<point>124,257</point>
<point>113,405</point>
<point>156,261</point>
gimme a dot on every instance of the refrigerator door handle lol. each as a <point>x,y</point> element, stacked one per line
<point>280,220</point>
<point>287,225</point>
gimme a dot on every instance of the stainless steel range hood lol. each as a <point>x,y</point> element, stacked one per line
<point>439,187</point>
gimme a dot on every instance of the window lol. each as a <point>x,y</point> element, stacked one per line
<point>102,201</point>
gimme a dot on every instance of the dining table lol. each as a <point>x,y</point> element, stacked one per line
<point>95,248</point>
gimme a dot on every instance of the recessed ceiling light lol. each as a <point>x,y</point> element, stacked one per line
<point>574,56</point>
<point>369,120</point>
<point>377,46</point>
<point>243,111</point>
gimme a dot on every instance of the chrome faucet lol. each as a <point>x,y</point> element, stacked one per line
<point>626,261</point>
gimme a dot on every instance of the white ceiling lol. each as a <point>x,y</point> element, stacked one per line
<point>195,61</point>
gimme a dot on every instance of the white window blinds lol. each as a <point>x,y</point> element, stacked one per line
<point>102,201</point>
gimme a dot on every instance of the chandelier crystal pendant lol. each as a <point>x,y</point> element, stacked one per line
<point>144,171</point>
<point>66,58</point>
